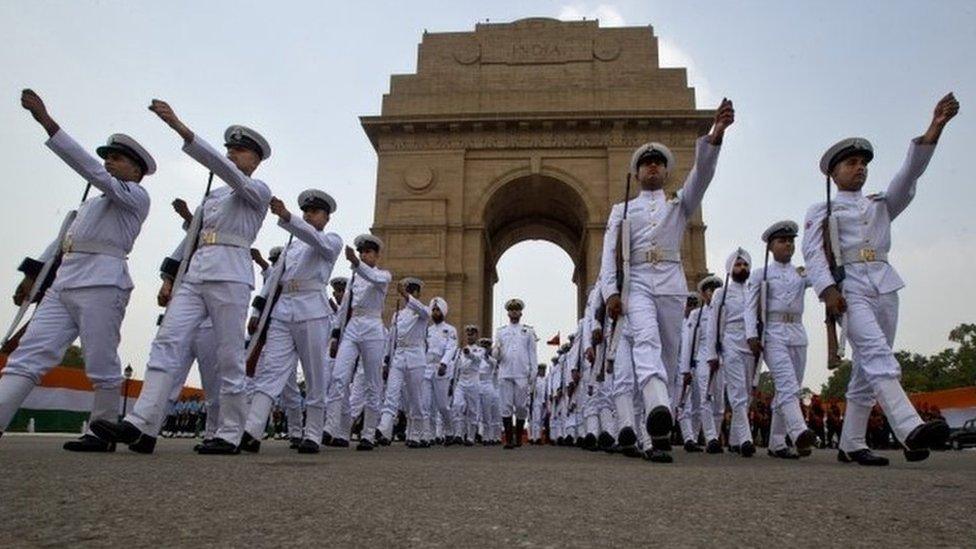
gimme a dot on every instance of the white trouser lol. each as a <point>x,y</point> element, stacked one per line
<point>691,409</point>
<point>437,405</point>
<point>204,352</point>
<point>466,402</point>
<point>650,341</point>
<point>488,397</point>
<point>370,353</point>
<point>739,369</point>
<point>787,364</point>
<point>291,402</point>
<point>535,418</point>
<point>287,343</point>
<point>95,314</point>
<point>871,326</point>
<point>512,395</point>
<point>700,381</point>
<point>393,392</point>
<point>226,305</point>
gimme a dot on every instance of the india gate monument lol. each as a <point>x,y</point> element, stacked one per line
<point>522,131</point>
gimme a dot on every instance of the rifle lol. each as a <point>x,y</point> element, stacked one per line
<point>45,277</point>
<point>623,277</point>
<point>835,260</point>
<point>692,361</point>
<point>718,334</point>
<point>388,359</point>
<point>192,242</point>
<point>338,332</point>
<point>761,316</point>
<point>256,344</point>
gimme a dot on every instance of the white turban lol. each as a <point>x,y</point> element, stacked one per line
<point>739,252</point>
<point>440,303</point>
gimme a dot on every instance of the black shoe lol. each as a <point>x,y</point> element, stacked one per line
<point>365,446</point>
<point>714,447</point>
<point>308,447</point>
<point>425,444</point>
<point>916,455</point>
<point>478,439</point>
<point>804,442</point>
<point>783,453</point>
<point>631,451</point>
<point>249,444</point>
<point>123,432</point>
<point>735,449</point>
<point>339,443</point>
<point>294,443</point>
<point>590,442</point>
<point>412,444</point>
<point>929,435</point>
<point>326,438</point>
<point>197,446</point>
<point>691,447</point>
<point>627,437</point>
<point>659,423</point>
<point>569,441</point>
<point>381,440</point>
<point>605,440</point>
<point>89,443</point>
<point>449,441</point>
<point>862,457</point>
<point>747,450</point>
<point>145,445</point>
<point>655,455</point>
<point>218,446</point>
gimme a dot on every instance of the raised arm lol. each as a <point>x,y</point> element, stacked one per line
<point>706,157</point>
<point>328,245</point>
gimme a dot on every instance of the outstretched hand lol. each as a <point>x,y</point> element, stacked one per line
<point>168,115</point>
<point>35,105</point>
<point>724,117</point>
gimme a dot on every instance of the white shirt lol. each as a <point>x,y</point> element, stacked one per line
<point>442,344</point>
<point>785,295</point>
<point>114,218</point>
<point>469,364</point>
<point>309,259</point>
<point>731,327</point>
<point>864,223</point>
<point>515,351</point>
<point>367,289</point>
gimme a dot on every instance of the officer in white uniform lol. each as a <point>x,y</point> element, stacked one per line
<point>467,386</point>
<point>784,339</point>
<point>300,319</point>
<point>442,349</point>
<point>647,356</point>
<point>687,399</point>
<point>727,349</point>
<point>362,335</point>
<point>409,332</point>
<point>217,283</point>
<point>338,285</point>
<point>696,369</point>
<point>91,289</point>
<point>395,369</point>
<point>867,292</point>
<point>514,349</point>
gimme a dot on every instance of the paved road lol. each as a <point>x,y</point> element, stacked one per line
<point>474,497</point>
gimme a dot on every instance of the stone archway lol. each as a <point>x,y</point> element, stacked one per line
<point>519,131</point>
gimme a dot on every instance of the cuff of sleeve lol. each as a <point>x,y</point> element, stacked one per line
<point>258,303</point>
<point>57,141</point>
<point>169,267</point>
<point>822,284</point>
<point>30,267</point>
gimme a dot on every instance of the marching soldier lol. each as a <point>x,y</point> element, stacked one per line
<point>489,402</point>
<point>300,319</point>
<point>695,369</point>
<point>726,347</point>
<point>514,349</point>
<point>91,288</point>
<point>860,287</point>
<point>647,356</point>
<point>774,327</point>
<point>466,391</point>
<point>442,348</point>
<point>363,335</point>
<point>537,406</point>
<point>217,283</point>
<point>688,404</point>
<point>408,332</point>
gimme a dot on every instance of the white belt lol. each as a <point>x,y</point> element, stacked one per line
<point>69,245</point>
<point>784,318</point>
<point>655,255</point>
<point>214,238</point>
<point>864,255</point>
<point>484,377</point>
<point>302,285</point>
<point>408,346</point>
<point>358,312</point>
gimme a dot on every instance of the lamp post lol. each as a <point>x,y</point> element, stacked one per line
<point>125,388</point>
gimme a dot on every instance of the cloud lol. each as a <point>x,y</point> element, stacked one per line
<point>670,55</point>
<point>608,15</point>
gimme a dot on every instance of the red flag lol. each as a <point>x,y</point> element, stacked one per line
<point>554,340</point>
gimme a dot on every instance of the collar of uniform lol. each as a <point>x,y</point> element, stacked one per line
<point>849,196</point>
<point>652,196</point>
<point>778,265</point>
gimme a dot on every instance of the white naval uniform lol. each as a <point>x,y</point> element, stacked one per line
<point>538,407</point>
<point>217,285</point>
<point>515,352</point>
<point>411,333</point>
<point>696,364</point>
<point>299,328</point>
<point>89,294</point>
<point>871,291</point>
<point>363,338</point>
<point>737,361</point>
<point>466,391</point>
<point>784,344</point>
<point>442,348</point>
<point>601,400</point>
<point>395,389</point>
<point>488,397</point>
<point>204,352</point>
<point>651,322</point>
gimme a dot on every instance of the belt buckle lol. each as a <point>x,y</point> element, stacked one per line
<point>788,318</point>
<point>208,238</point>
<point>868,254</point>
<point>292,286</point>
<point>66,244</point>
<point>654,255</point>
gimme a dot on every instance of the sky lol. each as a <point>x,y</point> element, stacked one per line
<point>802,76</point>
